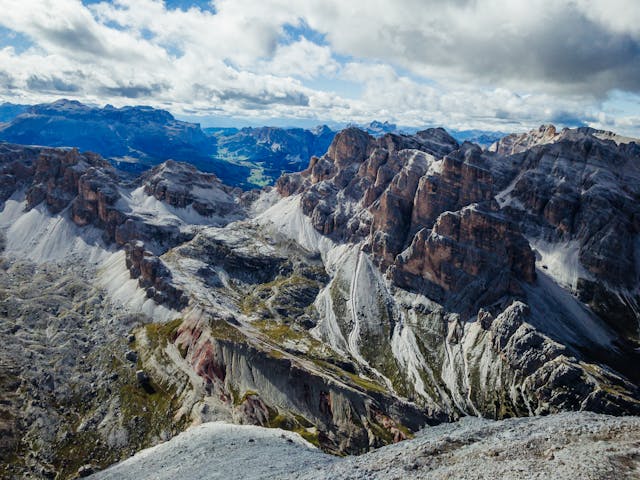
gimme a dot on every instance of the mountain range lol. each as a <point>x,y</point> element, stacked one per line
<point>136,138</point>
<point>8,111</point>
<point>397,282</point>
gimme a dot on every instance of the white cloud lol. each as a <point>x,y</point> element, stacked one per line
<point>464,63</point>
<point>301,58</point>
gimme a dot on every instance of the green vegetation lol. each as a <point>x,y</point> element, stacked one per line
<point>281,332</point>
<point>257,175</point>
<point>294,423</point>
<point>162,333</point>
<point>223,330</point>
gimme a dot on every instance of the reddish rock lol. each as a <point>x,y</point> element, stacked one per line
<point>465,246</point>
<point>391,190</point>
<point>459,183</point>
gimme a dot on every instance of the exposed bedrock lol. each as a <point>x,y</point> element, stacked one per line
<point>153,276</point>
<point>423,206</point>
<point>263,387</point>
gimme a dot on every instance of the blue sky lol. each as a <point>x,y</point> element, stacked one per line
<point>490,64</point>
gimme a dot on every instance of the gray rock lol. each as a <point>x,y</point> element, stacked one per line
<point>86,470</point>
<point>142,377</point>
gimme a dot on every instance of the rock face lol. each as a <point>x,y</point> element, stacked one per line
<point>410,199</point>
<point>181,185</point>
<point>466,250</point>
<point>90,191</point>
<point>283,387</point>
<point>576,200</point>
<point>64,179</point>
<point>481,233</point>
<point>153,276</point>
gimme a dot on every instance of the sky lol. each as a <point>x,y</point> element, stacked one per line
<point>504,65</point>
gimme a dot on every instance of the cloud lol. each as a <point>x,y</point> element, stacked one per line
<point>539,44</point>
<point>463,63</point>
<point>51,84</point>
<point>302,58</point>
<point>133,91</point>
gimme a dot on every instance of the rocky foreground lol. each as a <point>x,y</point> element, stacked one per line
<point>563,446</point>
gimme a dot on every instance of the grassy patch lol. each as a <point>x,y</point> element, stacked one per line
<point>280,332</point>
<point>295,423</point>
<point>223,330</point>
<point>162,333</point>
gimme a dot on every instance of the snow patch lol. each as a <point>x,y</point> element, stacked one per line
<point>505,199</point>
<point>156,212</point>
<point>328,329</point>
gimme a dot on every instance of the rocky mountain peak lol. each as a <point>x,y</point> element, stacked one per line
<point>516,143</point>
<point>548,134</point>
<point>399,195</point>
<point>349,146</point>
<point>62,105</point>
<point>181,185</point>
<point>438,138</point>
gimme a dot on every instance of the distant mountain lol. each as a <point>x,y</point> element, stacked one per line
<point>483,138</point>
<point>377,128</point>
<point>137,138</point>
<point>133,138</point>
<point>270,151</point>
<point>8,111</point>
